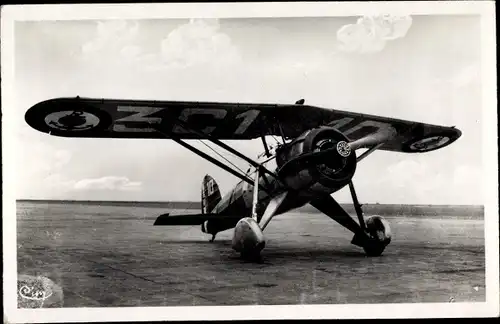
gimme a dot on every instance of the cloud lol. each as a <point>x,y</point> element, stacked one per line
<point>198,42</point>
<point>371,33</point>
<point>108,183</point>
<point>114,42</point>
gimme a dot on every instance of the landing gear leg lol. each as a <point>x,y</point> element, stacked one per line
<point>373,235</point>
<point>248,238</point>
<point>213,238</point>
<point>377,231</point>
<point>357,206</point>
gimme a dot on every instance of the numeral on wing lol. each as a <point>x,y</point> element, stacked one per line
<point>368,123</point>
<point>248,118</point>
<point>337,124</point>
<point>141,115</point>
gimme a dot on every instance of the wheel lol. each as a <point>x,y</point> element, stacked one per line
<point>248,239</point>
<point>374,249</point>
<point>252,256</point>
<point>379,234</point>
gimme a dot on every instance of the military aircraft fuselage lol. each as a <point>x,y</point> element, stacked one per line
<point>302,180</point>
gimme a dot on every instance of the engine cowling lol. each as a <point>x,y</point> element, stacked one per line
<point>320,160</point>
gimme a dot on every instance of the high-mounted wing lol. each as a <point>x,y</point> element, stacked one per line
<point>110,118</point>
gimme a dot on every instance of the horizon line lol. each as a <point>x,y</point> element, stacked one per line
<point>198,202</point>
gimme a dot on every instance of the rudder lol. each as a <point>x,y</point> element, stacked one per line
<point>210,194</point>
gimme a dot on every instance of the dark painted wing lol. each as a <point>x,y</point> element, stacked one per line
<point>109,118</point>
<point>188,219</point>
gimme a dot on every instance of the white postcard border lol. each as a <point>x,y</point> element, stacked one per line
<point>490,308</point>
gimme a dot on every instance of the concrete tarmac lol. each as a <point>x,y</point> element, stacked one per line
<point>113,256</point>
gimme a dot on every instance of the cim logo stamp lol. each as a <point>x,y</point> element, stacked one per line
<point>38,292</point>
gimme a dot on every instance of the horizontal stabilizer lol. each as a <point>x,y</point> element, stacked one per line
<point>188,219</point>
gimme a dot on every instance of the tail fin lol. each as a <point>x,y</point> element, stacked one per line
<point>210,194</point>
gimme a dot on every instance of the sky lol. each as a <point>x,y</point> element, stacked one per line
<point>421,68</point>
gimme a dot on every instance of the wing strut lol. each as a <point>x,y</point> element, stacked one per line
<point>368,152</point>
<point>213,160</point>
<point>265,146</point>
<point>244,157</point>
<point>229,149</point>
<point>281,132</point>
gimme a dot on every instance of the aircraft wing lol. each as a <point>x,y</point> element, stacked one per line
<point>117,118</point>
<point>188,219</point>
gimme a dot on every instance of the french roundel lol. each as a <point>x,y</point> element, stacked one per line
<point>74,119</point>
<point>429,142</point>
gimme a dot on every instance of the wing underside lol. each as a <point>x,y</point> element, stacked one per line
<point>109,118</point>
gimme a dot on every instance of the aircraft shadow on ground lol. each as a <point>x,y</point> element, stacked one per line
<point>299,251</point>
<point>312,254</point>
<point>198,241</point>
<point>272,254</point>
<point>310,257</point>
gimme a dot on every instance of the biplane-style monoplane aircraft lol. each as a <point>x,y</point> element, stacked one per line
<point>316,157</point>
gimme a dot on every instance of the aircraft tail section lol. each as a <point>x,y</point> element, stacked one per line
<point>210,194</point>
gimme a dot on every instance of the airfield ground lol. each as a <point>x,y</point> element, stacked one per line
<point>114,256</point>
